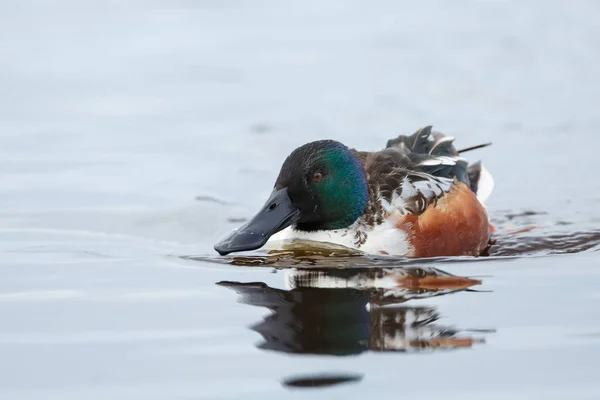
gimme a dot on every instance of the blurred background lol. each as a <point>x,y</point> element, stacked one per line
<point>133,132</point>
<point>121,105</point>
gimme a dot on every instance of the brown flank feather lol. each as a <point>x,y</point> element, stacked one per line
<point>456,226</point>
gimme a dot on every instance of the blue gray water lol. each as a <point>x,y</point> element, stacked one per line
<point>136,134</point>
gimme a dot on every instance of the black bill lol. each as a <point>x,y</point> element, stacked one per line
<point>277,214</point>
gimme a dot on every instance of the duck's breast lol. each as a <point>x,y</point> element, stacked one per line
<point>385,238</point>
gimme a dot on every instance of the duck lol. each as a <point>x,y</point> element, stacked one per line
<point>416,198</point>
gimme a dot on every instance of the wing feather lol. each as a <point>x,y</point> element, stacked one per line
<point>415,171</point>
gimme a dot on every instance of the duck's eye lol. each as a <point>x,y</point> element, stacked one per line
<point>317,176</point>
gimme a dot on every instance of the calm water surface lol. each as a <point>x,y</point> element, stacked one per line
<point>134,135</point>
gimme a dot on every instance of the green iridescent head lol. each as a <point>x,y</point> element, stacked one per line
<point>321,186</point>
<point>327,183</point>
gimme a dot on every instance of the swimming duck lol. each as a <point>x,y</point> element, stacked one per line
<point>415,198</point>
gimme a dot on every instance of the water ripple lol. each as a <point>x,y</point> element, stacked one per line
<point>505,246</point>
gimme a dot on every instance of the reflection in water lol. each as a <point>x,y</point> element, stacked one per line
<point>345,312</point>
<point>301,253</point>
<point>320,380</point>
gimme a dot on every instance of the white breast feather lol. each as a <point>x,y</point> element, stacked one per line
<point>381,239</point>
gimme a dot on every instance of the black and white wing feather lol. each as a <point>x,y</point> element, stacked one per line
<point>421,187</point>
<point>415,171</point>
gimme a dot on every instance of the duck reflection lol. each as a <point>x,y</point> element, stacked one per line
<point>349,311</point>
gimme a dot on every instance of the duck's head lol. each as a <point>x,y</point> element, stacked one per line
<point>321,185</point>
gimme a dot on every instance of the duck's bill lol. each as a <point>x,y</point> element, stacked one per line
<point>277,214</point>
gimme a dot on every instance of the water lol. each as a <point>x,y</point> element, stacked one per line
<point>134,135</point>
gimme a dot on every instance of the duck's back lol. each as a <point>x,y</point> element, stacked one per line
<point>427,144</point>
<point>428,157</point>
<point>430,192</point>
